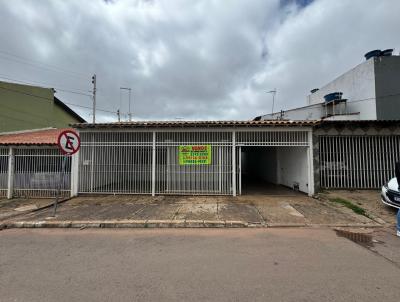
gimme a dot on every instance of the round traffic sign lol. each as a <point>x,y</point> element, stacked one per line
<point>69,142</point>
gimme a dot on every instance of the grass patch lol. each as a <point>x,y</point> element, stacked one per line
<point>348,204</point>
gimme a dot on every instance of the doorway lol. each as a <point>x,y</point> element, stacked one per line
<point>273,170</point>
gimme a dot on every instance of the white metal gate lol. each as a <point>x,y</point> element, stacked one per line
<point>147,162</point>
<point>173,178</point>
<point>115,162</point>
<point>357,161</point>
<point>3,171</point>
<point>37,173</point>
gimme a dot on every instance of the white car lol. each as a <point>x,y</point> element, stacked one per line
<point>390,194</point>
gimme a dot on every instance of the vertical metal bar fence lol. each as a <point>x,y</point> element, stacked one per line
<point>357,162</point>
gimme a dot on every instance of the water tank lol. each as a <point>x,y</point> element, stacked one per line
<point>387,52</point>
<point>333,96</point>
<point>372,54</point>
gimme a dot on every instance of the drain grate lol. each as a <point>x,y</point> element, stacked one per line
<point>358,237</point>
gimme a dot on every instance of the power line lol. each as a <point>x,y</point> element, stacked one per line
<point>19,59</point>
<point>45,85</point>
<point>21,120</point>
<point>22,112</point>
<point>91,108</point>
<point>50,99</point>
<point>74,92</point>
<point>349,101</point>
<point>25,93</point>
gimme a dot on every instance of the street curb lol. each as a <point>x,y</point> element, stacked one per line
<point>167,224</point>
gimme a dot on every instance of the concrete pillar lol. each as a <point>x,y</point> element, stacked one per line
<point>11,168</point>
<point>74,174</point>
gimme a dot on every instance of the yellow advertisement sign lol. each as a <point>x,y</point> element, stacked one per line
<point>195,155</point>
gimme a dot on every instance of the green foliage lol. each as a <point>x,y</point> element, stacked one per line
<point>348,204</point>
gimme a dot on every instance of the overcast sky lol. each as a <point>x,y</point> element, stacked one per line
<point>186,59</point>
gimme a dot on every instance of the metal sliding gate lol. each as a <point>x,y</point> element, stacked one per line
<point>357,161</point>
<point>3,171</point>
<point>37,173</point>
<point>173,178</point>
<point>115,162</point>
<point>124,162</point>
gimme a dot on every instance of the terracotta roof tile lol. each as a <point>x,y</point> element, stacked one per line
<point>179,124</point>
<point>39,137</point>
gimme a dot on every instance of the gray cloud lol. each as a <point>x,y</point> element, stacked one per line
<point>194,60</point>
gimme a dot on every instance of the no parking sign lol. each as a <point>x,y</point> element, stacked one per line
<point>69,142</point>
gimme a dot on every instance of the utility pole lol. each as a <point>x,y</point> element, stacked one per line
<point>94,98</point>
<point>129,104</point>
<point>119,115</point>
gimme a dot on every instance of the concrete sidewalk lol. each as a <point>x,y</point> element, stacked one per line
<point>10,208</point>
<point>296,210</point>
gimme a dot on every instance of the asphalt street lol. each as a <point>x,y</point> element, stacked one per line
<point>191,265</point>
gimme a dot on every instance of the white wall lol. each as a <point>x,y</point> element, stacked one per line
<point>312,112</point>
<point>356,84</point>
<point>278,165</point>
<point>358,87</point>
<point>293,167</point>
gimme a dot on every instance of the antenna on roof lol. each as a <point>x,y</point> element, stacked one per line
<point>94,97</point>
<point>273,98</point>
<point>129,102</point>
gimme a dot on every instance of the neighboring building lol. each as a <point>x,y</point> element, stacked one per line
<point>29,107</point>
<point>371,91</point>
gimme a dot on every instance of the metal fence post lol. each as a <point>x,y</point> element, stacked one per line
<point>10,181</point>
<point>233,163</point>
<point>153,167</point>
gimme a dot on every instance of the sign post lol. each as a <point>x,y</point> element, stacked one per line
<point>69,143</point>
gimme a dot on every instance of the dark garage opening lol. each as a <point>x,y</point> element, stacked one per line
<point>273,170</point>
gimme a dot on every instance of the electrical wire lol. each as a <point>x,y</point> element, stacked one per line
<point>21,120</point>
<point>19,59</point>
<point>349,101</point>
<point>76,91</point>
<point>91,108</point>
<point>39,97</point>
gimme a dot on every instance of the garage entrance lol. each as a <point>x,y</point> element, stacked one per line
<point>276,170</point>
